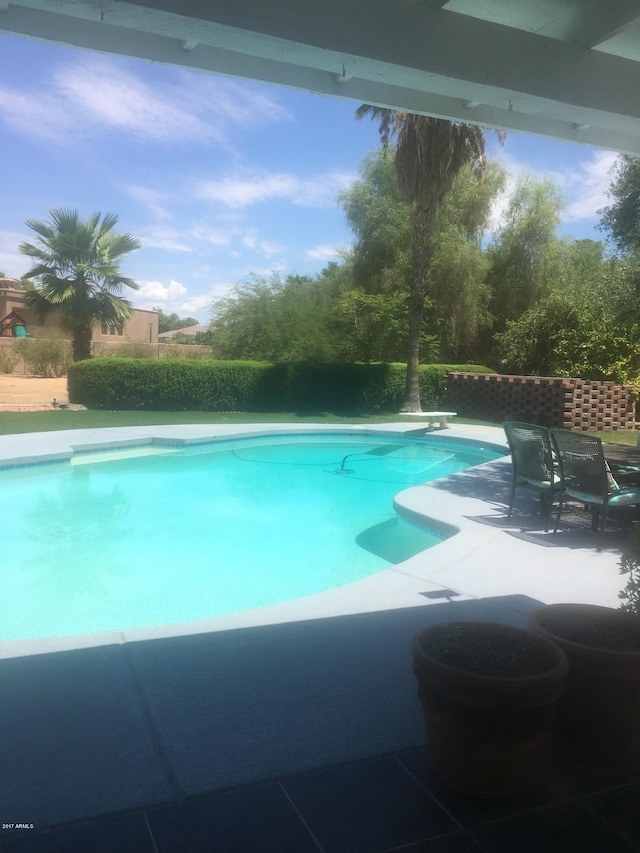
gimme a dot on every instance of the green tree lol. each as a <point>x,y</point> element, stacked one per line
<point>20,283</point>
<point>375,307</point>
<point>536,342</point>
<point>77,273</point>
<point>622,218</point>
<point>380,218</point>
<point>588,325</point>
<point>381,260</point>
<point>429,154</point>
<point>526,256</point>
<point>169,322</point>
<point>280,319</point>
<point>459,265</point>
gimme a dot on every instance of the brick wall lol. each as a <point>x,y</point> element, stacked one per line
<point>556,402</point>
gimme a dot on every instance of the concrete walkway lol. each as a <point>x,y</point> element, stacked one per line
<point>99,724</point>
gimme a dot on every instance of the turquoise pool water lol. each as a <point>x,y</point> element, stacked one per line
<point>160,535</point>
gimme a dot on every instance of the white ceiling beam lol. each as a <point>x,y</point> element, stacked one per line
<point>409,55</point>
<point>601,22</point>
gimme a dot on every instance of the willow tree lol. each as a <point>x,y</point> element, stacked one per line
<point>77,274</point>
<point>622,217</point>
<point>429,154</point>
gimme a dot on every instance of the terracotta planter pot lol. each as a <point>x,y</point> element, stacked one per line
<point>598,719</point>
<point>488,693</point>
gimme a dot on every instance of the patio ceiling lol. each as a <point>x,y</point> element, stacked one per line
<point>567,69</point>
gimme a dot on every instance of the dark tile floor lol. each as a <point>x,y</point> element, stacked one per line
<point>378,805</point>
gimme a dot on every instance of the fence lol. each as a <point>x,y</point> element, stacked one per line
<point>560,403</point>
<point>103,348</point>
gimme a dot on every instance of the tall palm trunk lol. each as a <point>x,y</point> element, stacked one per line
<point>412,385</point>
<point>422,222</point>
<point>81,343</point>
<point>429,154</point>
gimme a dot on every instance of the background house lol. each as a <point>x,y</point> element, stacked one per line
<point>198,333</point>
<point>141,327</point>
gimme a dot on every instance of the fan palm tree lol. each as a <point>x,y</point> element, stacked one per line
<point>429,154</point>
<point>77,273</point>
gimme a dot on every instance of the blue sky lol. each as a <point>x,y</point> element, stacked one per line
<point>218,178</point>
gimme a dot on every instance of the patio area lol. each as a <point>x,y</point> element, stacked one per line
<point>297,727</point>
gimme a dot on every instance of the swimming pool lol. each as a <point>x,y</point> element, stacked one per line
<point>159,535</point>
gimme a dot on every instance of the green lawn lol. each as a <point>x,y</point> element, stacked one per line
<point>626,436</point>
<point>20,422</point>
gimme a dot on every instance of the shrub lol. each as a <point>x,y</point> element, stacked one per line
<point>194,352</point>
<point>630,565</point>
<point>244,386</point>
<point>7,361</point>
<point>50,356</point>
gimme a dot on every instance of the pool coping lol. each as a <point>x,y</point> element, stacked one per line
<point>465,566</point>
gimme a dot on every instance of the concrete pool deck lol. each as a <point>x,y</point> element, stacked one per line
<point>107,723</point>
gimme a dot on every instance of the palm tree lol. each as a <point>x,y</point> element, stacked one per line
<point>77,273</point>
<point>429,154</point>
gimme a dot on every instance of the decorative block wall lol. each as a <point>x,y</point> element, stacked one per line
<point>555,402</point>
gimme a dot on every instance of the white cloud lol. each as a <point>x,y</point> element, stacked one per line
<point>175,297</point>
<point>591,180</point>
<point>584,185</point>
<point>500,204</point>
<point>326,252</point>
<point>220,290</point>
<point>34,115</point>
<point>248,188</point>
<point>239,192</point>
<point>116,98</point>
<point>164,237</point>
<point>96,94</point>
<point>12,263</point>
<point>269,247</point>
<point>155,293</point>
<point>267,272</point>
<point>201,236</point>
<point>198,307</point>
<point>154,200</point>
<point>212,235</point>
<point>265,247</point>
<point>232,101</point>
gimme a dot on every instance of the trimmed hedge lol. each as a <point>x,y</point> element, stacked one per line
<point>247,386</point>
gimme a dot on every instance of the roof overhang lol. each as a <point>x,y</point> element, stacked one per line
<point>566,69</point>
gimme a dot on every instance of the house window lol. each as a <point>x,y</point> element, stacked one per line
<point>105,331</point>
<point>120,330</point>
<point>112,330</point>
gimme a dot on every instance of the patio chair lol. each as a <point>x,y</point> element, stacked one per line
<point>532,462</point>
<point>587,478</point>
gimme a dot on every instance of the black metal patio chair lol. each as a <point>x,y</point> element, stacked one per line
<point>532,458</point>
<point>586,477</point>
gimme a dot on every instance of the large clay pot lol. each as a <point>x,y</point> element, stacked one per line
<point>488,692</point>
<point>598,719</point>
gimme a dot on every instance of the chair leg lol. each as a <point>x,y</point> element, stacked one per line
<point>555,529</point>
<point>604,523</point>
<point>511,499</point>
<point>546,505</point>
